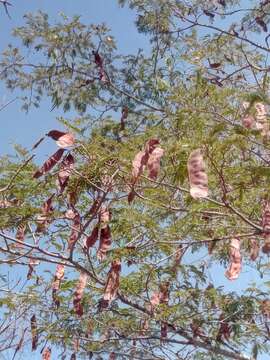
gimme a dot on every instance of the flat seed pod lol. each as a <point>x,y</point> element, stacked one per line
<point>198,180</point>
<point>79,293</point>
<point>112,283</point>
<point>235,260</point>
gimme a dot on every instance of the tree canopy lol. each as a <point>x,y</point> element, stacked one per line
<point>157,188</point>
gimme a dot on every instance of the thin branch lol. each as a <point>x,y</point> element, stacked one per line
<point>8,186</point>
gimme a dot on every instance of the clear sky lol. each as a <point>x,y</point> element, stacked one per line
<point>25,129</point>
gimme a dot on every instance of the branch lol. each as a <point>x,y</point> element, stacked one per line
<point>212,27</point>
<point>8,186</point>
<point>184,334</point>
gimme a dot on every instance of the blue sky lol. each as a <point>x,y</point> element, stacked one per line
<point>25,129</point>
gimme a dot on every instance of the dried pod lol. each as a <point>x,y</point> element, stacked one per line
<point>112,356</point>
<point>46,354</point>
<point>164,293</point>
<point>66,168</point>
<point>177,258</point>
<point>105,233</point>
<point>235,260</point>
<point>123,118</point>
<point>79,293</point>
<point>248,121</point>
<point>197,176</point>
<point>70,214</point>
<point>72,198</point>
<point>141,161</point>
<point>211,245</point>
<point>43,220</point>
<point>164,330</point>
<point>153,163</point>
<point>92,239</point>
<point>112,284</point>
<point>76,344</point>
<point>59,274</point>
<point>90,328</point>
<point>104,216</point>
<point>99,63</point>
<point>49,164</point>
<point>261,119</point>
<point>151,145</point>
<point>138,165</point>
<point>95,206</point>
<point>20,234</point>
<point>261,23</point>
<point>31,265</point>
<point>4,204</point>
<point>76,228</point>
<point>161,296</point>
<point>266,226</point>
<point>144,326</point>
<point>254,249</point>
<point>131,196</point>
<point>265,308</point>
<point>34,332</point>
<point>155,300</point>
<point>104,243</point>
<point>225,329</point>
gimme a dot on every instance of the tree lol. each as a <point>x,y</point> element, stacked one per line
<point>160,177</point>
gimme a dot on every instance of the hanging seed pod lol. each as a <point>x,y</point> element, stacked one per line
<point>266,227</point>
<point>79,293</point>
<point>46,354</point>
<point>265,308</point>
<point>112,284</point>
<point>235,260</point>
<point>197,175</point>
<point>261,119</point>
<point>254,249</point>
<point>248,120</point>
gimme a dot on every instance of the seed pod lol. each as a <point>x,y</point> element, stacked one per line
<point>104,243</point>
<point>141,161</point>
<point>225,329</point>
<point>79,293</point>
<point>261,119</point>
<point>59,274</point>
<point>197,176</point>
<point>265,308</point>
<point>153,163</point>
<point>34,332</point>
<point>112,284</point>
<point>46,355</point>
<point>43,220</point>
<point>76,228</point>
<point>66,168</point>
<point>235,260</point>
<point>266,227</point>
<point>49,164</point>
<point>254,249</point>
<point>20,234</point>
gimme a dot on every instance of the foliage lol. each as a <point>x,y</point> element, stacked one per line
<point>135,251</point>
